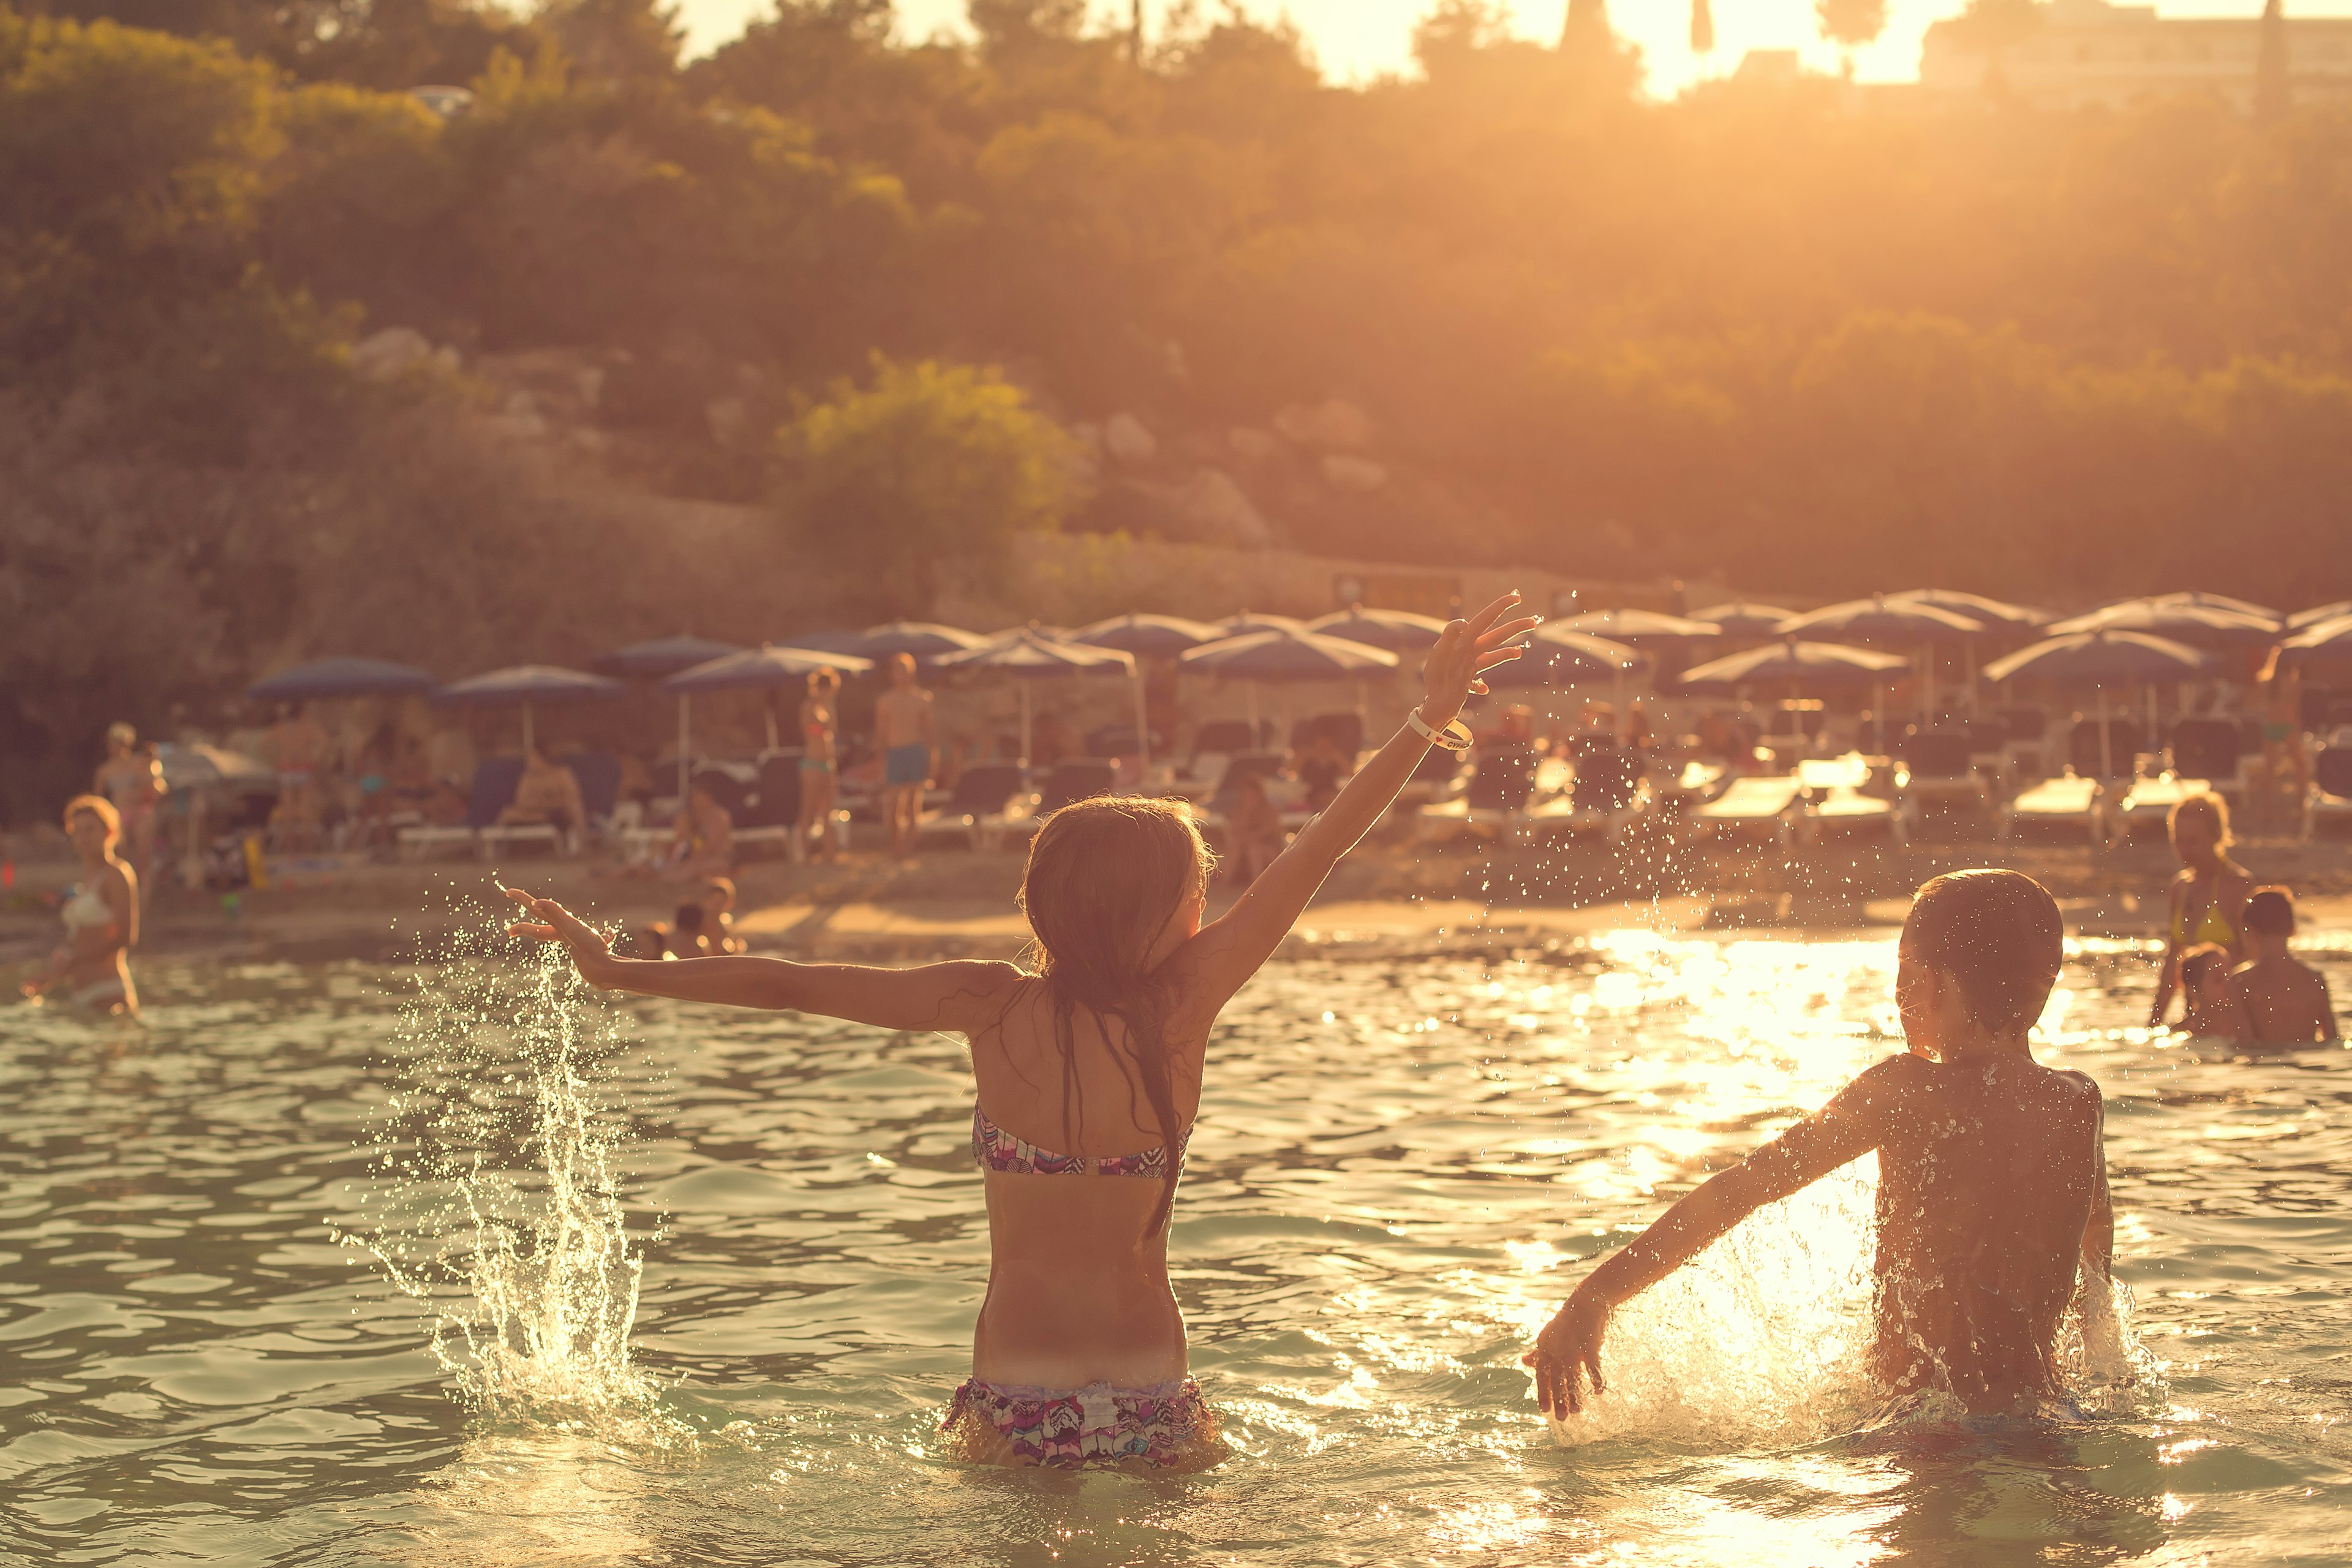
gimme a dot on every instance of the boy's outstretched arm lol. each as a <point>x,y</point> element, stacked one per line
<point>1569,1349</point>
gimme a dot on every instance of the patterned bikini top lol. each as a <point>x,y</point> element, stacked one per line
<point>997,1150</point>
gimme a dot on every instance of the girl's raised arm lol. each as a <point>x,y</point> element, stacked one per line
<point>958,997</point>
<point>1227,953</point>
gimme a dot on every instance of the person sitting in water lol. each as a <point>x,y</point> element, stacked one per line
<point>1992,1187</point>
<point>717,901</point>
<point>101,917</point>
<point>1089,1072</point>
<point>2205,991</point>
<point>2278,1000</point>
<point>2208,897</point>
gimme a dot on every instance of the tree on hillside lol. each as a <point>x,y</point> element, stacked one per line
<point>1851,25</point>
<point>929,464</point>
<point>618,41</point>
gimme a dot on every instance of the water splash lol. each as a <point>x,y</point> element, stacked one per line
<point>494,1201</point>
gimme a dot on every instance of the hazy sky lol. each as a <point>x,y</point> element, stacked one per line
<point>1356,38</point>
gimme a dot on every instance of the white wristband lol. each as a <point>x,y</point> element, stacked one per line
<point>1454,737</point>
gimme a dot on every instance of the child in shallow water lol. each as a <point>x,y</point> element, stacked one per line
<point>2276,999</point>
<point>1992,1188</point>
<point>2205,986</point>
<point>1089,1072</point>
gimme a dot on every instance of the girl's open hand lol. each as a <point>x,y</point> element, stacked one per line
<point>1466,653</point>
<point>553,922</point>
<point>1566,1351</point>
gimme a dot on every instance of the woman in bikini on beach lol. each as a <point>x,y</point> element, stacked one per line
<point>2208,897</point>
<point>1088,1071</point>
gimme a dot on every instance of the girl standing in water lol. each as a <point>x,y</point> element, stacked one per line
<point>2208,897</point>
<point>1088,1071</point>
<point>101,917</point>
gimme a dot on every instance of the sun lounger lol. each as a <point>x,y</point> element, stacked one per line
<point>1605,796</point>
<point>771,814</point>
<point>2147,806</point>
<point>1073,779</point>
<point>493,790</point>
<point>1494,804</point>
<point>1940,771</point>
<point>2330,801</point>
<point>2124,746</point>
<point>1835,798</point>
<point>988,799</point>
<point>598,774</point>
<point>2214,751</point>
<point>1765,804</point>
<point>1697,781</point>
<point>2024,756</point>
<point>2068,801</point>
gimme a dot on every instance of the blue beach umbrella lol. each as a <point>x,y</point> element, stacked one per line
<point>343,676</point>
<point>1286,653</point>
<point>1742,619</point>
<point>924,640</point>
<point>1640,628</point>
<point>1154,637</point>
<point>526,686</point>
<point>1399,631</point>
<point>749,669</point>
<point>660,658</point>
<point>1030,656</point>
<point>1557,655</point>
<point>2104,659</point>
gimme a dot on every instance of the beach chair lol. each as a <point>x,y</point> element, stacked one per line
<point>1436,777</point>
<point>1493,804</point>
<point>1697,782</point>
<point>2212,751</point>
<point>1756,805</point>
<point>494,790</point>
<point>989,798</point>
<point>1346,729</point>
<point>2330,800</point>
<point>2124,747</point>
<point>1229,736</point>
<point>599,776</point>
<point>1267,765</point>
<point>2068,801</point>
<point>1605,796</point>
<point>2022,754</point>
<point>771,814</point>
<point>1836,796</point>
<point>2147,806</point>
<point>1939,769</point>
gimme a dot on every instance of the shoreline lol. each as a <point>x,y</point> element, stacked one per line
<point>1387,898</point>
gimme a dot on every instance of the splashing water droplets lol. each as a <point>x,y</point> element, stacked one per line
<point>494,1202</point>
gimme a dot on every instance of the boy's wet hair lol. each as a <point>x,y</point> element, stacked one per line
<point>2198,962</point>
<point>1998,934</point>
<point>2270,911</point>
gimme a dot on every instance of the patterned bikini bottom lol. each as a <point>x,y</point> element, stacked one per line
<point>1161,1427</point>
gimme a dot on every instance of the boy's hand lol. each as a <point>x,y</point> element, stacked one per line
<point>589,951</point>
<point>1569,1346</point>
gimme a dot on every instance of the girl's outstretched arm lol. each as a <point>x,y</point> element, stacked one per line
<point>1228,951</point>
<point>957,996</point>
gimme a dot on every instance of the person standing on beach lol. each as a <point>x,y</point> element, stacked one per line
<point>101,915</point>
<point>820,764</point>
<point>2285,756</point>
<point>298,750</point>
<point>1088,1073</point>
<point>132,779</point>
<point>2208,895</point>
<point>2279,1000</point>
<point>903,734</point>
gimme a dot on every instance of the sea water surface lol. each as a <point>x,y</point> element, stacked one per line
<point>701,1281</point>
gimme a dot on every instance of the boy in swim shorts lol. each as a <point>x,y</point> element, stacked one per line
<point>1992,1187</point>
<point>902,733</point>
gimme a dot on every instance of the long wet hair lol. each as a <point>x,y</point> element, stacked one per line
<point>1106,879</point>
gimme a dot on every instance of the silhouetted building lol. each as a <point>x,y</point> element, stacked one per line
<point>2084,52</point>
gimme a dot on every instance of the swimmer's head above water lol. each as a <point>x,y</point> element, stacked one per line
<point>1980,954</point>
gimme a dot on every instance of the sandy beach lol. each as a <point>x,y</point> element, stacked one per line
<point>1392,895</point>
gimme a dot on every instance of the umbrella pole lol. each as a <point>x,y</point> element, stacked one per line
<point>1143,718</point>
<point>1927,688</point>
<point>771,705</point>
<point>526,729</point>
<point>2106,752</point>
<point>1878,747</point>
<point>1971,657</point>
<point>1254,740</point>
<point>1024,723</point>
<point>1625,723</point>
<point>684,746</point>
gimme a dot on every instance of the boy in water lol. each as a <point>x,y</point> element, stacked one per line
<point>2279,1001</point>
<point>2205,990</point>
<point>1992,1187</point>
